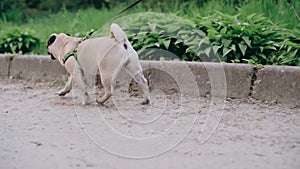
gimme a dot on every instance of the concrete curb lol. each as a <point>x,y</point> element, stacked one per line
<point>271,83</point>
<point>233,79</point>
<point>31,67</point>
<point>5,64</point>
<point>278,83</point>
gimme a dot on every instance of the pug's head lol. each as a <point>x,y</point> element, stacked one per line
<point>51,40</point>
<point>59,45</point>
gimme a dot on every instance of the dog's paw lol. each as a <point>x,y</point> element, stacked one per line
<point>84,103</point>
<point>61,93</point>
<point>87,100</point>
<point>146,102</point>
<point>100,102</point>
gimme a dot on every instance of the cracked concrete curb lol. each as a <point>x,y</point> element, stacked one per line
<point>5,64</point>
<point>277,83</point>
<point>270,83</point>
<point>32,67</point>
<point>237,76</point>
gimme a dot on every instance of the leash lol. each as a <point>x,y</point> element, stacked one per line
<point>115,17</point>
<point>87,36</point>
<point>126,9</point>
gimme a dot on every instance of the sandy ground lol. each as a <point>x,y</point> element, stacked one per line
<point>42,130</point>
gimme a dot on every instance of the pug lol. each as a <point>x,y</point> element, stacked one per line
<point>109,54</point>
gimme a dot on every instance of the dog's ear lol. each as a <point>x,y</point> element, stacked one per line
<point>51,40</point>
<point>52,57</point>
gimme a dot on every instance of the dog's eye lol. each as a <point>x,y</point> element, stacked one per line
<point>51,40</point>
<point>68,34</point>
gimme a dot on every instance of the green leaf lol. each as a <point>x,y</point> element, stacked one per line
<point>292,44</point>
<point>20,45</point>
<point>262,56</point>
<point>226,42</point>
<point>200,32</point>
<point>247,40</point>
<point>243,48</point>
<point>167,43</point>
<point>293,54</point>
<point>157,44</point>
<point>235,61</point>
<point>204,41</point>
<point>190,39</point>
<point>178,41</point>
<point>223,31</point>
<point>251,16</point>
<point>200,52</point>
<point>270,47</point>
<point>207,51</point>
<point>211,34</point>
<point>261,49</point>
<point>152,27</point>
<point>226,51</point>
<point>216,48</point>
<point>233,47</point>
<point>186,32</point>
<point>249,61</point>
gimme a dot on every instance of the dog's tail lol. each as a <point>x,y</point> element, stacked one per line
<point>118,34</point>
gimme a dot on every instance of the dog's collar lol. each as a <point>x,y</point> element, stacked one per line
<point>68,55</point>
<point>74,52</point>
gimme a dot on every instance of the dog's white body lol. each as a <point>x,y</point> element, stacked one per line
<point>108,54</point>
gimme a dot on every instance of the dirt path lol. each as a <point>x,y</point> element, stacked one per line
<point>41,130</point>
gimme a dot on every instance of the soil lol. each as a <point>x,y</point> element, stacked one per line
<point>40,129</point>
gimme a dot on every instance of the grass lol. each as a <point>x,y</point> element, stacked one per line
<point>76,23</point>
<point>81,21</point>
<point>282,12</point>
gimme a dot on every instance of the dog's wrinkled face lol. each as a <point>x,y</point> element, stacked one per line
<point>49,43</point>
<point>60,44</point>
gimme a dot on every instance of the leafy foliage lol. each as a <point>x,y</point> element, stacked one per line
<point>252,39</point>
<point>17,41</point>
<point>150,31</point>
<point>204,35</point>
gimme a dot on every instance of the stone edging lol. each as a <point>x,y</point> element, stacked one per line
<point>269,83</point>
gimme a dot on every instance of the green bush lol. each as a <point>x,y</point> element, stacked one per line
<point>204,35</point>
<point>17,41</point>
<point>252,39</point>
<point>164,31</point>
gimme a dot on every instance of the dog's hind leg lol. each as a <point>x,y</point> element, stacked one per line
<point>79,79</point>
<point>142,81</point>
<point>135,70</point>
<point>108,88</point>
<point>67,87</point>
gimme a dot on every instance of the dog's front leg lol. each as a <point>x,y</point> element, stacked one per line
<point>67,87</point>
